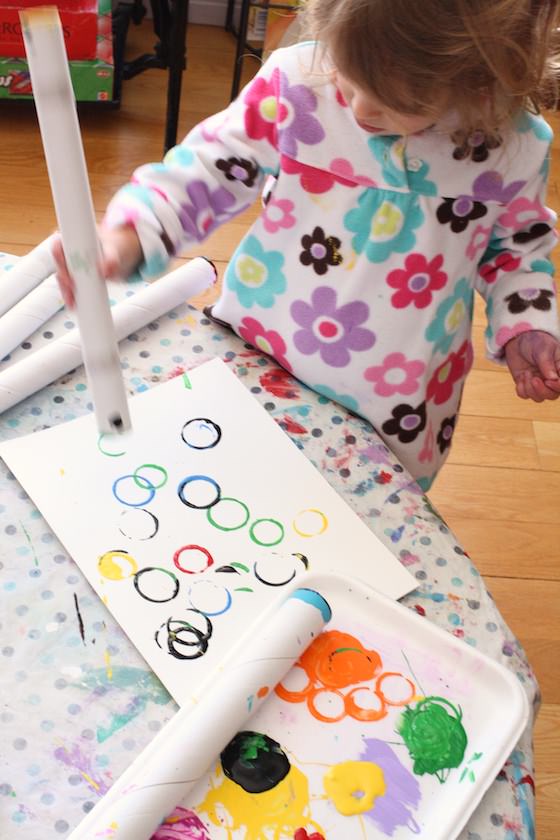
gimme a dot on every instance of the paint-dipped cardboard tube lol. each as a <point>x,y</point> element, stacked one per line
<point>183,751</point>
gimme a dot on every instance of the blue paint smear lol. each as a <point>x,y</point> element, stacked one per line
<point>309,596</point>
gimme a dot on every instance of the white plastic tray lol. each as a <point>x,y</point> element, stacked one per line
<point>448,717</point>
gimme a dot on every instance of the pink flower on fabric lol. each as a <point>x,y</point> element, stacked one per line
<point>395,376</point>
<point>330,330</point>
<point>505,334</point>
<point>282,113</point>
<point>312,180</point>
<point>269,341</point>
<point>416,282</point>
<point>278,214</point>
<point>182,825</point>
<point>454,368</point>
<point>479,241</point>
<point>522,212</point>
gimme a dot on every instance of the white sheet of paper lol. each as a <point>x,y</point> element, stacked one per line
<point>190,524</point>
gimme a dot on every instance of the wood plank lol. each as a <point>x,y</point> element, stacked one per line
<point>490,441</point>
<point>492,394</point>
<point>511,549</point>
<point>547,436</point>
<point>547,762</point>
<point>490,493</point>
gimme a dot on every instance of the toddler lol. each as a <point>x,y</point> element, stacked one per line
<point>405,167</point>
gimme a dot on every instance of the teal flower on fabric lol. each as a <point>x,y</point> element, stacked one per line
<point>530,122</point>
<point>343,399</point>
<point>543,266</point>
<point>397,170</point>
<point>181,155</point>
<point>384,226</point>
<point>450,315</point>
<point>139,193</point>
<point>255,275</point>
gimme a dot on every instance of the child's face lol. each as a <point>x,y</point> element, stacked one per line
<point>374,116</point>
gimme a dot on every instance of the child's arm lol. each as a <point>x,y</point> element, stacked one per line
<point>515,278</point>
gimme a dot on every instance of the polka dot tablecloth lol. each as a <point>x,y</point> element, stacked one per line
<point>78,703</point>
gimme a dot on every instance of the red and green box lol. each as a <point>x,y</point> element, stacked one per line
<point>92,79</point>
<point>78,19</point>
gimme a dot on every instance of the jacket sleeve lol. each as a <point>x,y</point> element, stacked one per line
<point>215,173</point>
<point>515,274</point>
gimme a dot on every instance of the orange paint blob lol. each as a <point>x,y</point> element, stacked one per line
<point>262,692</point>
<point>338,660</point>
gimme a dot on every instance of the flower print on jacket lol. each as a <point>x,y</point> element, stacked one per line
<point>207,209</point>
<point>330,330</point>
<point>320,251</point>
<point>534,232</point>
<point>396,375</point>
<point>504,261</point>
<point>524,299</point>
<point>407,422</point>
<point>269,341</point>
<point>282,113</point>
<point>319,181</point>
<point>458,212</point>
<point>416,282</point>
<point>398,171</point>
<point>446,433</point>
<point>239,169</point>
<point>255,275</point>
<point>476,146</point>
<point>453,369</point>
<point>489,186</point>
<point>384,226</point>
<point>523,212</point>
<point>277,213</point>
<point>450,315</point>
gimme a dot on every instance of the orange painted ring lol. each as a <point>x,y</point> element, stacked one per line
<point>359,713</point>
<point>379,691</point>
<point>295,696</point>
<point>314,710</point>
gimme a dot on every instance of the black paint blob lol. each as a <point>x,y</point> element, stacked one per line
<point>255,762</point>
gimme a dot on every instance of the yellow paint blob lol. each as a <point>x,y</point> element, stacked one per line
<point>274,814</point>
<point>353,786</point>
<point>113,565</point>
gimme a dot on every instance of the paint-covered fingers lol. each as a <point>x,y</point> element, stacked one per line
<point>122,252</point>
<point>531,387</point>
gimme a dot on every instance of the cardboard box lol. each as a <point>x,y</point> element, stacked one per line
<point>92,80</point>
<point>79,24</point>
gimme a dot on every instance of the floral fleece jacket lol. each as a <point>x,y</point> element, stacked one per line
<point>359,274</point>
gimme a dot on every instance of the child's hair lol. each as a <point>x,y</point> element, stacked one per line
<point>486,59</point>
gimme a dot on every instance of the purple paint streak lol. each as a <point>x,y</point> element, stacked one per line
<point>402,790</point>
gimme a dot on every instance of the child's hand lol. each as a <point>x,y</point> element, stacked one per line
<point>122,254</point>
<point>533,359</point>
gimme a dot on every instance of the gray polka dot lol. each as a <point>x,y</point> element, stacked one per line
<point>47,798</point>
<point>74,780</point>
<point>74,709</point>
<point>60,683</point>
<point>61,826</point>
<point>425,541</point>
<point>441,561</point>
<point>34,634</point>
<point>87,806</point>
<point>60,617</point>
<point>129,744</point>
<point>496,819</point>
<point>491,627</point>
<point>154,726</point>
<point>7,651</point>
<point>474,605</point>
<point>10,529</point>
<point>22,609</point>
<point>59,558</point>
<point>420,575</point>
<point>88,734</point>
<point>19,744</point>
<point>5,789</point>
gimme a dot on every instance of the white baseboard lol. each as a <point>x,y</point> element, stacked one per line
<point>212,13</point>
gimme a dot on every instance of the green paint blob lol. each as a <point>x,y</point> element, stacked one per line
<point>435,739</point>
<point>251,745</point>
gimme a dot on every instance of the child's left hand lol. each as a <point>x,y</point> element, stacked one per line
<point>533,359</point>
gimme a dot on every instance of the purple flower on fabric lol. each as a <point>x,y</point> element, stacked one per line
<point>330,330</point>
<point>294,119</point>
<point>207,209</point>
<point>490,187</point>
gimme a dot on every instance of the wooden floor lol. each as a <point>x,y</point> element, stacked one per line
<point>500,491</point>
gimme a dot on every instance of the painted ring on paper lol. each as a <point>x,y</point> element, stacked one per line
<point>261,542</point>
<point>295,696</point>
<point>205,428</point>
<point>260,577</point>
<point>111,570</point>
<point>403,701</point>
<point>361,712</point>
<point>138,523</point>
<point>156,467</point>
<point>175,627</point>
<point>106,451</point>
<point>214,609</point>
<point>136,479</point>
<point>202,478</point>
<point>168,597</point>
<point>307,533</point>
<point>210,514</point>
<point>192,547</point>
<point>312,705</point>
